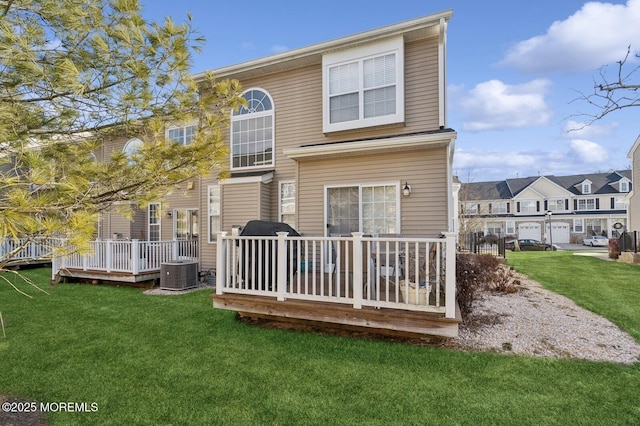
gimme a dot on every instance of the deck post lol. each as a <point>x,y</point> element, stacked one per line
<point>109,255</point>
<point>176,252</point>
<point>450,275</point>
<point>221,262</point>
<point>282,257</point>
<point>135,257</point>
<point>357,269</point>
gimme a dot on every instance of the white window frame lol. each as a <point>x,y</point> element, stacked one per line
<point>586,188</point>
<point>211,212</point>
<point>358,55</point>
<point>531,206</point>
<point>556,205</point>
<point>578,226</point>
<point>510,227</point>
<point>624,186</point>
<point>132,147</point>
<point>251,116</point>
<point>620,203</point>
<point>585,201</point>
<point>499,207</point>
<point>186,136</point>
<point>157,208</point>
<point>360,187</point>
<point>471,208</point>
<point>281,212</point>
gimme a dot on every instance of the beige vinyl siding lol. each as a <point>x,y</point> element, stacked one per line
<point>266,201</point>
<point>240,204</point>
<point>423,214</point>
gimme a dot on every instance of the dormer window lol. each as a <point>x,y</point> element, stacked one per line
<point>586,188</point>
<point>624,186</point>
<point>364,87</point>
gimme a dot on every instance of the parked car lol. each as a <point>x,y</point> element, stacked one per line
<point>529,245</point>
<point>596,240</point>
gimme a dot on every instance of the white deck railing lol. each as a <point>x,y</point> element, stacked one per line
<point>17,250</point>
<point>400,273</point>
<point>127,256</point>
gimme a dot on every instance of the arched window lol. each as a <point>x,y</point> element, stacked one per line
<point>132,147</point>
<point>252,143</point>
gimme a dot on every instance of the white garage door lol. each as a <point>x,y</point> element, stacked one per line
<point>560,232</point>
<point>529,231</point>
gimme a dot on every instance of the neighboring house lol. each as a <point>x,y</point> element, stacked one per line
<point>633,209</point>
<point>563,209</point>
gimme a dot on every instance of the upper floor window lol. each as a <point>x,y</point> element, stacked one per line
<point>586,188</point>
<point>252,142</point>
<point>471,208</point>
<point>528,206</point>
<point>132,147</point>
<point>500,208</point>
<point>586,204</point>
<point>182,134</point>
<point>364,86</point>
<point>556,205</point>
<point>624,186</point>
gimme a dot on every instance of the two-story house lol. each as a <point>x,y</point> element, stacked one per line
<point>564,209</point>
<point>342,136</point>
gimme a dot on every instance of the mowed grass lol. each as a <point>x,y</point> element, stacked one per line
<point>175,360</point>
<point>611,289</point>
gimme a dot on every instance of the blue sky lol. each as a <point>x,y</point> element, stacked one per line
<point>514,69</point>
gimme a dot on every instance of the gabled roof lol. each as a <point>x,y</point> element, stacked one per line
<point>414,29</point>
<point>509,188</point>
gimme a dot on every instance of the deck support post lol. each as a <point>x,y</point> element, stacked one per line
<point>357,269</point>
<point>282,256</point>
<point>450,275</point>
<point>221,262</point>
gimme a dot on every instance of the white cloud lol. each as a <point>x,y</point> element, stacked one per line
<point>580,130</point>
<point>494,105</point>
<point>581,156</point>
<point>589,152</point>
<point>596,35</point>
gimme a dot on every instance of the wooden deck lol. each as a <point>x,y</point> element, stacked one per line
<point>385,321</point>
<point>96,275</point>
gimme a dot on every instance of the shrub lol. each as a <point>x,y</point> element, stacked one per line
<point>477,272</point>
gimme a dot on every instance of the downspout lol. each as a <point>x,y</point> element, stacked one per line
<point>442,74</point>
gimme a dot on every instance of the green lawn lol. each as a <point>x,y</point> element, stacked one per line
<point>160,360</point>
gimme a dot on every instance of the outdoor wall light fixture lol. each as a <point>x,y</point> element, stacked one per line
<point>406,189</point>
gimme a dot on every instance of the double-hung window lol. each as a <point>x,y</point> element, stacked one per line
<point>182,134</point>
<point>288,203</point>
<point>252,142</point>
<point>364,86</point>
<point>214,204</point>
<point>154,221</point>
<point>587,204</point>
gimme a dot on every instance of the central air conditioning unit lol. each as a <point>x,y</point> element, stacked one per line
<point>178,275</point>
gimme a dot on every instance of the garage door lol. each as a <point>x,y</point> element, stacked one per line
<point>529,230</point>
<point>560,232</point>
